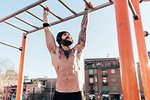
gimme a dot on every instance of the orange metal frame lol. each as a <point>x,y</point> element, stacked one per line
<point>129,79</point>
<point>143,57</point>
<point>20,75</point>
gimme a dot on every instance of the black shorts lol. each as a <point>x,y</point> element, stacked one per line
<point>68,96</point>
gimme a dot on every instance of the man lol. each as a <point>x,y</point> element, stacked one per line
<point>65,60</point>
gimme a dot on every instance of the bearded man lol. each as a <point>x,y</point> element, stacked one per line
<point>66,60</point>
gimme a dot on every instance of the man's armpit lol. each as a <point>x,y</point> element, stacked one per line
<point>54,50</point>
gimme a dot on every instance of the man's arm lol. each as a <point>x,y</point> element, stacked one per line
<point>50,41</point>
<point>82,34</point>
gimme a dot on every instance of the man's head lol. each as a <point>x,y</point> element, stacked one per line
<point>64,38</point>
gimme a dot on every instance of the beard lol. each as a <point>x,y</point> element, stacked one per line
<point>67,42</point>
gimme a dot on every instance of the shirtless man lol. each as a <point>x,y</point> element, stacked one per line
<point>65,60</point>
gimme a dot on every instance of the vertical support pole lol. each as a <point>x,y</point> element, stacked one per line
<point>20,76</point>
<point>129,80</point>
<point>143,56</point>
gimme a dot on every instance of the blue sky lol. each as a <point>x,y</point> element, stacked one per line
<point>101,34</point>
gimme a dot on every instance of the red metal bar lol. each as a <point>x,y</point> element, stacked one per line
<point>25,22</point>
<point>19,48</point>
<point>67,7</point>
<point>51,12</point>
<point>34,15</point>
<point>20,76</point>
<point>22,10</point>
<point>143,56</point>
<point>15,26</point>
<point>129,80</point>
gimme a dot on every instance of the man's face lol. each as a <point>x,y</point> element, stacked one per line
<point>66,39</point>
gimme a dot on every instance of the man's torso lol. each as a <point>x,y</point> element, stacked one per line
<point>67,67</point>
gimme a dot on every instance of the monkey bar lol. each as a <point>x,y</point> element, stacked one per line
<point>127,61</point>
<point>19,48</point>
<point>53,23</point>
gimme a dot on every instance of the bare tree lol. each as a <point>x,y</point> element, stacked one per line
<point>5,64</point>
<point>8,75</point>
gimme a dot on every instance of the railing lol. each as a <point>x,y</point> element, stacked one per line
<point>91,84</point>
<point>92,91</point>
<point>91,75</point>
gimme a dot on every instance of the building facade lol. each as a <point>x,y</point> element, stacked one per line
<point>32,90</point>
<point>102,79</point>
<point>28,88</point>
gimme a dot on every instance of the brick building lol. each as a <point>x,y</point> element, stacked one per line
<point>28,88</point>
<point>102,79</point>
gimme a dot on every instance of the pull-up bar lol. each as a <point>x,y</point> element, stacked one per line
<point>86,2</point>
<point>51,12</point>
<point>67,7</point>
<point>34,16</point>
<point>53,23</point>
<point>24,9</point>
<point>25,22</point>
<point>73,16</point>
<point>19,48</point>
<point>15,26</point>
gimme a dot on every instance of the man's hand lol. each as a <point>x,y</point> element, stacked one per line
<point>87,7</point>
<point>45,14</point>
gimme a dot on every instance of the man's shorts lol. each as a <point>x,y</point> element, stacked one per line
<point>68,96</point>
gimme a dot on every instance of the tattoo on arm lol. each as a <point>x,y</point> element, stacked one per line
<point>82,35</point>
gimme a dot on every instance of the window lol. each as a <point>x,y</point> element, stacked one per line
<point>95,79</point>
<point>111,64</point>
<point>113,79</point>
<point>91,80</point>
<point>105,88</point>
<point>96,88</point>
<point>103,64</point>
<point>91,88</point>
<point>114,88</point>
<point>104,71</point>
<point>91,71</point>
<point>104,79</point>
<point>112,71</point>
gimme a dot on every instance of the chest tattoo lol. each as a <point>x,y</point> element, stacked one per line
<point>67,53</point>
